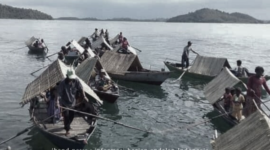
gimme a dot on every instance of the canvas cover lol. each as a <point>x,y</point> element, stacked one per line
<point>49,78</point>
<point>209,66</point>
<point>30,41</point>
<point>77,46</point>
<point>90,51</point>
<point>98,43</point>
<point>251,133</point>
<point>113,40</point>
<point>216,88</point>
<point>85,69</point>
<point>114,62</point>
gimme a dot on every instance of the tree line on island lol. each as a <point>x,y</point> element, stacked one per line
<point>204,15</point>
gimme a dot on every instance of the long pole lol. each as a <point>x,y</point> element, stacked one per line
<point>39,69</point>
<point>18,48</point>
<point>92,115</point>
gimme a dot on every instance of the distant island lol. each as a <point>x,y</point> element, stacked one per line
<point>8,12</point>
<point>215,16</point>
<point>113,19</point>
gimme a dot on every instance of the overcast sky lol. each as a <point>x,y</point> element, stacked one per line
<point>140,9</point>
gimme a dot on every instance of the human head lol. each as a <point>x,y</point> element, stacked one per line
<point>239,63</point>
<point>42,40</point>
<point>71,74</point>
<point>259,71</point>
<point>227,90</point>
<point>120,33</point>
<point>232,91</point>
<point>96,29</point>
<point>63,48</point>
<point>238,91</point>
<point>124,39</point>
<point>189,43</point>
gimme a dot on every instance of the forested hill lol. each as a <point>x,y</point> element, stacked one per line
<point>8,12</point>
<point>215,16</point>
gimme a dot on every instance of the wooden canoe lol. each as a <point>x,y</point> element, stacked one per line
<point>41,49</point>
<point>177,69</point>
<point>82,128</point>
<point>148,77</point>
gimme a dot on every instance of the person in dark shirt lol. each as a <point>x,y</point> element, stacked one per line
<point>67,90</point>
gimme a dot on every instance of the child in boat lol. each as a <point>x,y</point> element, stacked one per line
<point>237,103</point>
<point>227,99</point>
<point>53,105</point>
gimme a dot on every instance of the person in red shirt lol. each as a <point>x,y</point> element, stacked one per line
<point>254,91</point>
<point>125,45</point>
<point>227,99</point>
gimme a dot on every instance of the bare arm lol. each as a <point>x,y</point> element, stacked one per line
<point>266,87</point>
<point>194,52</point>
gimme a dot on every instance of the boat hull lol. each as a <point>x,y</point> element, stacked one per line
<point>227,117</point>
<point>155,78</point>
<point>36,50</point>
<point>179,71</point>
<point>111,98</point>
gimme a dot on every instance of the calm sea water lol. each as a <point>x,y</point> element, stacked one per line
<point>161,109</point>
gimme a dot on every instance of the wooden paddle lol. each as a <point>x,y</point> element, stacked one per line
<point>39,69</point>
<point>18,49</point>
<point>137,49</point>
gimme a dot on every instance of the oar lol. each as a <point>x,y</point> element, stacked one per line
<point>137,49</point>
<point>39,69</point>
<point>18,134</point>
<point>18,48</point>
<point>92,115</point>
<point>49,55</point>
<point>180,76</point>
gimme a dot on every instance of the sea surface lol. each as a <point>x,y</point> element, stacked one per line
<point>162,109</point>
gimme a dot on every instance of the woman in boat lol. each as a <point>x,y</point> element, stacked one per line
<point>227,97</point>
<point>237,103</point>
<point>53,105</point>
<point>125,45</point>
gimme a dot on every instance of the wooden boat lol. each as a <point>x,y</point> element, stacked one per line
<point>114,40</point>
<point>83,127</point>
<point>250,134</point>
<point>215,89</point>
<point>88,74</point>
<point>42,48</point>
<point>128,67</point>
<point>204,68</point>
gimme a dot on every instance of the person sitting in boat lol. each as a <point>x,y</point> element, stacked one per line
<point>125,45</point>
<point>237,104</point>
<point>240,71</point>
<point>254,92</point>
<point>67,90</point>
<point>185,55</point>
<point>227,97</point>
<point>64,50</point>
<point>102,81</point>
<point>88,43</point>
<point>95,35</point>
<point>53,105</point>
<point>36,44</point>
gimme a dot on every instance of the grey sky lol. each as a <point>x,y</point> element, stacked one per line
<point>141,9</point>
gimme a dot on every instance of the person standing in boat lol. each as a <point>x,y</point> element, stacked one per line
<point>185,55</point>
<point>53,105</point>
<point>254,91</point>
<point>227,97</point>
<point>67,90</point>
<point>95,35</point>
<point>237,103</point>
<point>101,33</point>
<point>106,34</point>
<point>240,71</point>
<point>120,38</point>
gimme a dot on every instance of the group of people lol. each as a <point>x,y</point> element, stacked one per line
<point>68,93</point>
<point>236,103</point>
<point>98,34</point>
<point>39,43</point>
